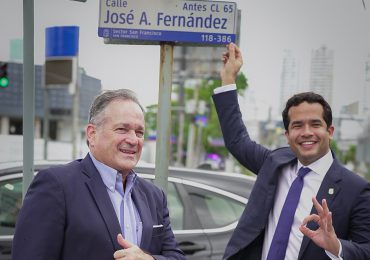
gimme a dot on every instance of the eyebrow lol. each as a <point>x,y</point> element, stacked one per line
<point>128,125</point>
<point>311,121</point>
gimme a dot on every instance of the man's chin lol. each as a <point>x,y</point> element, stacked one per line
<point>128,164</point>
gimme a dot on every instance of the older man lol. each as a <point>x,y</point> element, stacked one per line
<point>79,210</point>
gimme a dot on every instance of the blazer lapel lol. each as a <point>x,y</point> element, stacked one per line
<point>142,206</point>
<point>273,174</point>
<point>98,191</point>
<point>329,189</point>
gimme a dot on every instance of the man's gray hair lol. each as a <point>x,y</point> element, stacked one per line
<point>104,99</point>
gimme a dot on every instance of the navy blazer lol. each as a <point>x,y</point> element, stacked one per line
<point>349,204</point>
<point>67,214</point>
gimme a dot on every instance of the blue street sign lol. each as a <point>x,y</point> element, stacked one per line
<point>200,22</point>
<point>61,41</point>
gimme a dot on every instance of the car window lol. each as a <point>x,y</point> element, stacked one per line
<point>214,210</point>
<point>176,207</point>
<point>10,204</point>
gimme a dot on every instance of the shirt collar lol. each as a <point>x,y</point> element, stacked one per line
<point>320,166</point>
<point>109,175</point>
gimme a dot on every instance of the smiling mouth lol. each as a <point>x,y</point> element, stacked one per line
<point>127,151</point>
<point>307,144</point>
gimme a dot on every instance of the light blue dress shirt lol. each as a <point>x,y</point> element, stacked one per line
<point>133,227</point>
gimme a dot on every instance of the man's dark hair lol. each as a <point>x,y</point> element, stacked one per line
<point>309,97</point>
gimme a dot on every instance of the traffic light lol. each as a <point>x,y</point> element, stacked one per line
<point>4,81</point>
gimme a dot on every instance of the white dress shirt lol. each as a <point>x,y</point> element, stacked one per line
<point>133,226</point>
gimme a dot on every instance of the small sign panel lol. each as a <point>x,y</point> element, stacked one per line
<point>61,41</point>
<point>199,22</point>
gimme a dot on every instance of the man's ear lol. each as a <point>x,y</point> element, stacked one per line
<point>286,134</point>
<point>90,133</point>
<point>331,131</point>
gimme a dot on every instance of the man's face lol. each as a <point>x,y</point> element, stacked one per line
<point>308,135</point>
<point>118,141</point>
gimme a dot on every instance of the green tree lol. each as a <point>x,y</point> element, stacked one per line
<point>344,156</point>
<point>212,129</point>
<point>334,147</point>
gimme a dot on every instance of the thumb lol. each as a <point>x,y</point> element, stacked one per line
<point>122,242</point>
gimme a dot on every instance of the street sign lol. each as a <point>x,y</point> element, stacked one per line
<point>179,21</point>
<point>61,41</point>
<point>61,53</point>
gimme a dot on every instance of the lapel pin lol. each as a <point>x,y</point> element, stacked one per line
<point>331,191</point>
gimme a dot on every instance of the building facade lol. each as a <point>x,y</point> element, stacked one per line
<point>321,78</point>
<point>60,104</point>
<point>289,83</point>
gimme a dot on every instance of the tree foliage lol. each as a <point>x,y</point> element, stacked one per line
<point>211,130</point>
<point>344,156</point>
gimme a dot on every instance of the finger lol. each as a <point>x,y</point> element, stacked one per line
<point>231,51</point>
<point>124,243</point>
<point>325,207</point>
<point>317,206</point>
<point>330,227</point>
<point>225,57</point>
<point>309,218</point>
<point>118,254</point>
<point>238,54</point>
<point>306,231</point>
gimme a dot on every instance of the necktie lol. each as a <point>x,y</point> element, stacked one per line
<point>281,236</point>
<point>119,188</point>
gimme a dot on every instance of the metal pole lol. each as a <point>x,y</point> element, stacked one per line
<point>46,122</point>
<point>75,115</point>
<point>190,146</point>
<point>164,117</point>
<point>181,113</point>
<point>28,93</point>
<point>198,147</point>
<point>192,134</point>
<point>180,139</point>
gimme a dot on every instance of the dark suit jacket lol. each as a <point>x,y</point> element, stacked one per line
<point>350,202</point>
<point>67,214</point>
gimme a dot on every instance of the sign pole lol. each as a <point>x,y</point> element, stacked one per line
<point>28,94</point>
<point>164,116</point>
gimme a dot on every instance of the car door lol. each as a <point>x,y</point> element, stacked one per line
<point>186,225</point>
<point>218,213</point>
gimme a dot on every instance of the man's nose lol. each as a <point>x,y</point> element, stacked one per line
<point>131,138</point>
<point>306,130</point>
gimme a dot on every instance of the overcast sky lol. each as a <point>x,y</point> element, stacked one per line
<point>268,27</point>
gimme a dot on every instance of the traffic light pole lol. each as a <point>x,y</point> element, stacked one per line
<point>28,93</point>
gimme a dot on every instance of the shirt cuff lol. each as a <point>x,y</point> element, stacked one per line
<point>224,89</point>
<point>334,257</point>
